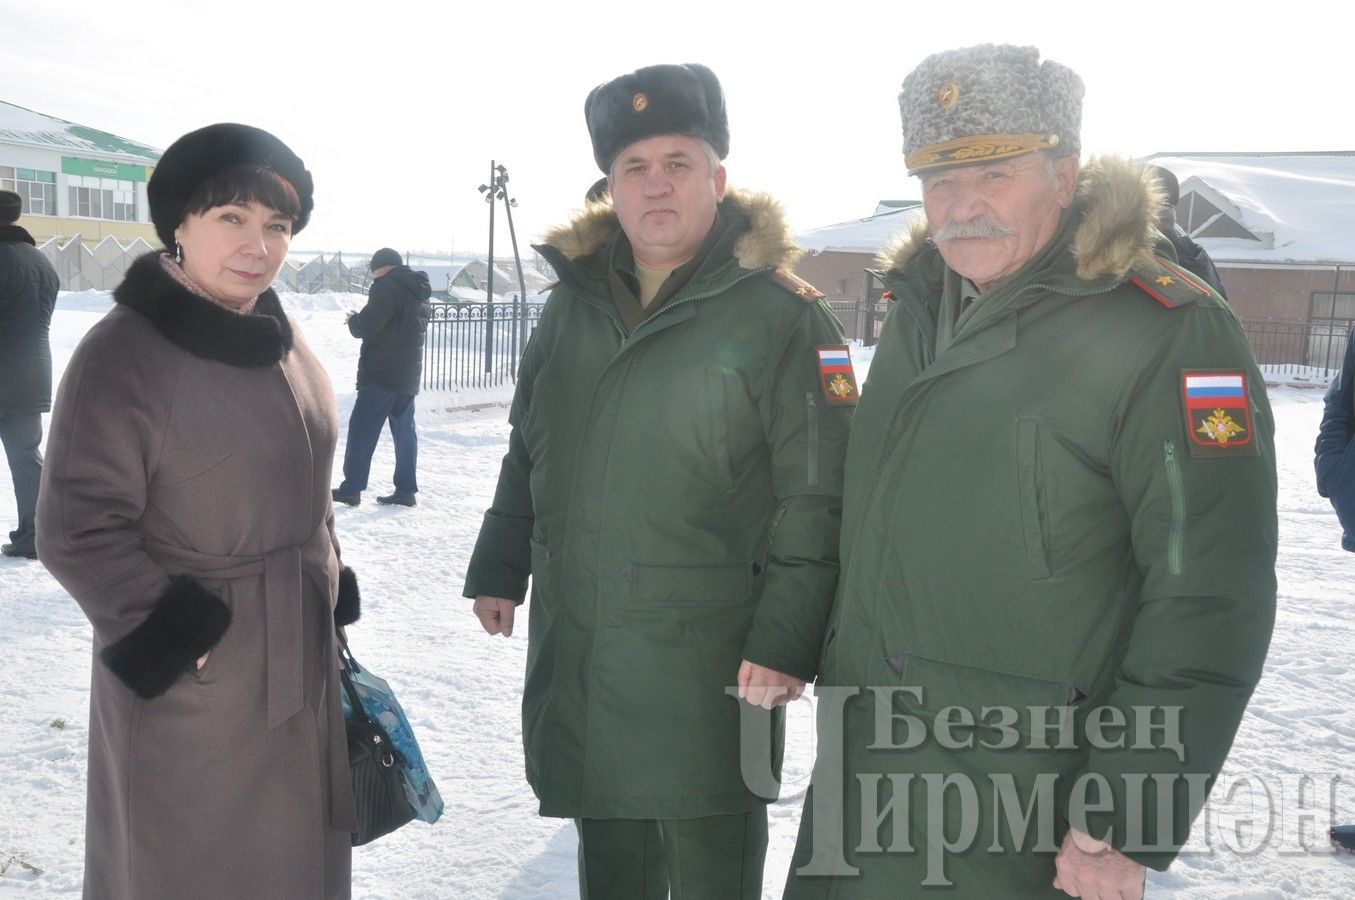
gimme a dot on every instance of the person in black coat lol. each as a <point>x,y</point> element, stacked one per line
<point>391,327</point>
<point>28,287</point>
<point>1333,460</point>
<point>1189,254</point>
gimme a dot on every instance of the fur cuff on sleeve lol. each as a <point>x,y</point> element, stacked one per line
<point>186,622</point>
<point>349,606</point>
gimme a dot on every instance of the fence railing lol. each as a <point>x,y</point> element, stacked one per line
<point>1297,348</point>
<point>475,345</point>
<point>97,267</point>
<point>861,319</point>
<point>82,266</point>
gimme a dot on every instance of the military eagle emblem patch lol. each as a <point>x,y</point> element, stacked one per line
<point>1218,413</point>
<point>837,376</point>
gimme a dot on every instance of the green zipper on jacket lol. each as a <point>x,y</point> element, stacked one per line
<point>1177,535</point>
<point>812,465</point>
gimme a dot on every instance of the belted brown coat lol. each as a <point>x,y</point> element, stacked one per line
<point>185,506</point>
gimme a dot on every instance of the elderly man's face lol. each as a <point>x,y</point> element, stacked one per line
<point>665,191</point>
<point>989,220</point>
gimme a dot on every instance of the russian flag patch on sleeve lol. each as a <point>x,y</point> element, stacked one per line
<point>837,376</point>
<point>1218,412</point>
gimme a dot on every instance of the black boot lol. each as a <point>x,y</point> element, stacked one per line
<point>345,497</point>
<point>398,499</point>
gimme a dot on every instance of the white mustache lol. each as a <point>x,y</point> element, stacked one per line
<point>979,228</point>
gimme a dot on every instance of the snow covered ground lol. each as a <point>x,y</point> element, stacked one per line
<point>462,688</point>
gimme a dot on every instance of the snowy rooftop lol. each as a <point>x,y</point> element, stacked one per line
<point>1300,206</point>
<point>23,126</point>
<point>861,235</point>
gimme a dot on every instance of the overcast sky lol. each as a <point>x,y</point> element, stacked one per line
<point>397,107</point>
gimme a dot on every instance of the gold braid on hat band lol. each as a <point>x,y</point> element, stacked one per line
<point>977,149</point>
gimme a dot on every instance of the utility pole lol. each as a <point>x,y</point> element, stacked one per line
<point>497,189</point>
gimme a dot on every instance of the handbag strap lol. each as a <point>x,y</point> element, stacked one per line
<point>350,665</point>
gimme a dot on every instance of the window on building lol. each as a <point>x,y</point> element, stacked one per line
<point>37,188</point>
<point>842,287</point>
<point>1200,218</point>
<point>102,198</point>
<point>1331,316</point>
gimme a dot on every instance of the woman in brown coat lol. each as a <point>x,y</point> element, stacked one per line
<point>185,506</point>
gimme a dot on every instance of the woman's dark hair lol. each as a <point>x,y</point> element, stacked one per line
<point>246,184</point>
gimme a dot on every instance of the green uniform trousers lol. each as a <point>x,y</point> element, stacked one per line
<point>712,858</point>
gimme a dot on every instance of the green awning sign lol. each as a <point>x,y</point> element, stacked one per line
<point>100,169</point>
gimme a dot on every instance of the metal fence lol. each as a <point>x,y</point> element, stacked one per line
<point>100,267</point>
<point>81,266</point>
<point>861,319</point>
<point>1296,348</point>
<point>475,345</point>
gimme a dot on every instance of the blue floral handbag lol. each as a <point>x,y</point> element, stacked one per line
<point>380,706</point>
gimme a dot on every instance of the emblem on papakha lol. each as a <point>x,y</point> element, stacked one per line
<point>840,387</point>
<point>1220,427</point>
<point>639,102</point>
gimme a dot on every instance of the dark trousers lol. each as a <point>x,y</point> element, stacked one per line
<point>21,433</point>
<point>713,858</point>
<point>375,407</point>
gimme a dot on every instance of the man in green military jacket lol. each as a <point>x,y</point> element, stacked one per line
<point>1059,523</point>
<point>673,487</point>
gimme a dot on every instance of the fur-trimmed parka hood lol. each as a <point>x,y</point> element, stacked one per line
<point>1118,200</point>
<point>768,243</point>
<point>16,234</point>
<point>200,326</point>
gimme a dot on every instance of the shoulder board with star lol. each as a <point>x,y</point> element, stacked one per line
<point>1168,283</point>
<point>797,286</point>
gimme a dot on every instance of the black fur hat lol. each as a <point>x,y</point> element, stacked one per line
<point>385,257</point>
<point>655,100</point>
<point>11,205</point>
<point>1170,186</point>
<point>199,155</point>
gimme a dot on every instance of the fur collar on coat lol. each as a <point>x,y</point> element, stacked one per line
<point>201,327</point>
<point>1119,201</point>
<point>768,243</point>
<point>16,234</point>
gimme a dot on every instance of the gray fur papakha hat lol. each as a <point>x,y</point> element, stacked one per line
<point>985,103</point>
<point>655,100</point>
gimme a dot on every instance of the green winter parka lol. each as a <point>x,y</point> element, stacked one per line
<point>675,495</point>
<point>1040,526</point>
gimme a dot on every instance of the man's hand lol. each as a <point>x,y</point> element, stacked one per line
<point>1094,870</point>
<point>767,688</point>
<point>496,614</point>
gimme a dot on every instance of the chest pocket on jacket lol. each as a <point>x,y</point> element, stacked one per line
<point>735,426</point>
<point>1031,483</point>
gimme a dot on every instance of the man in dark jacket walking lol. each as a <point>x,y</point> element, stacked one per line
<point>1192,257</point>
<point>391,327</point>
<point>28,287</point>
<point>672,485</point>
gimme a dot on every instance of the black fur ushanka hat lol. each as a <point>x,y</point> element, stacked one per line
<point>655,100</point>
<point>199,155</point>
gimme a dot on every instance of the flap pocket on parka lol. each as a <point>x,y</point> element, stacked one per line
<point>1030,481</point>
<point>542,563</point>
<point>944,684</point>
<point>728,585</point>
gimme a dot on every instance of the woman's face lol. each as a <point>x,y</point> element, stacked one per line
<point>234,252</point>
